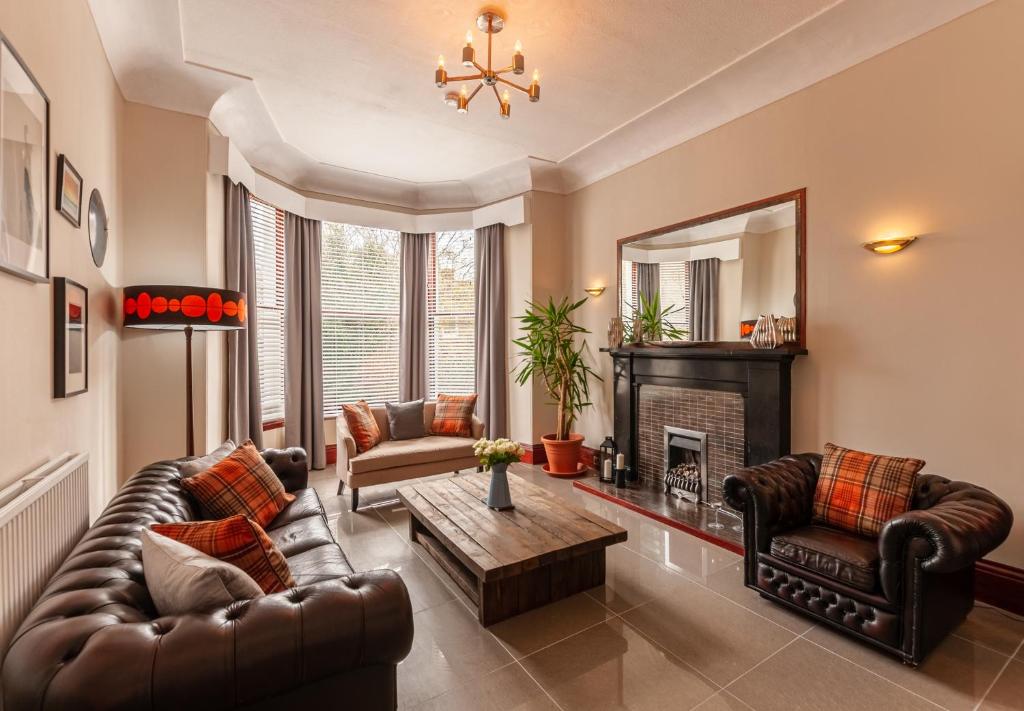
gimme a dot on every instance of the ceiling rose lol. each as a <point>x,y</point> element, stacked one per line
<point>491,23</point>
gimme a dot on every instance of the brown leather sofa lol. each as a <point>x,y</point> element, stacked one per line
<point>902,592</point>
<point>94,640</point>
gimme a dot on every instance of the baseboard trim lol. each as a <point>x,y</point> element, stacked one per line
<point>534,454</point>
<point>1000,585</point>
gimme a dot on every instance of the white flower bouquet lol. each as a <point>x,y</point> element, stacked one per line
<point>497,451</point>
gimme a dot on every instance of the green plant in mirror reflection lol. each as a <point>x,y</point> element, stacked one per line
<point>654,321</point>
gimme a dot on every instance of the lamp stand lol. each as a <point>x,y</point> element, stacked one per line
<point>190,441</point>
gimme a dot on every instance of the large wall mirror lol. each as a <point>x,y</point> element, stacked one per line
<point>718,273</point>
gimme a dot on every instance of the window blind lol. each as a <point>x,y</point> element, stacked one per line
<point>628,298</point>
<point>268,242</point>
<point>451,307</point>
<point>674,290</point>
<point>359,286</point>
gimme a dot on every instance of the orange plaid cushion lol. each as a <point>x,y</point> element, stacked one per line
<point>241,483</point>
<point>453,415</point>
<point>362,425</point>
<point>239,541</point>
<point>859,492</point>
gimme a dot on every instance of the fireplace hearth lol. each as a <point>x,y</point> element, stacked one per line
<point>685,417</point>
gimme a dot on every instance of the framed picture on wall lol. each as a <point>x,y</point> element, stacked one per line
<point>69,191</point>
<point>24,170</point>
<point>70,338</point>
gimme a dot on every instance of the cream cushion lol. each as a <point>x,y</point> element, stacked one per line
<point>407,452</point>
<point>181,579</point>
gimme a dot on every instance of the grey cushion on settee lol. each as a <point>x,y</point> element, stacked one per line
<point>405,419</point>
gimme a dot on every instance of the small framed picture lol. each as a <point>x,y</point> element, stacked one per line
<point>70,338</point>
<point>69,191</point>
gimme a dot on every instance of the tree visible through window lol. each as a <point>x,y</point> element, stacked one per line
<point>359,294</point>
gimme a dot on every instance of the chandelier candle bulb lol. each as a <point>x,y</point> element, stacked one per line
<point>505,107</point>
<point>518,60</point>
<point>535,86</point>
<point>440,75</point>
<point>468,53</point>
<point>463,101</point>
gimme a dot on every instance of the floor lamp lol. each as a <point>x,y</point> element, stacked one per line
<point>188,309</point>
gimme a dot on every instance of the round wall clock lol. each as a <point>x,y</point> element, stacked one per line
<point>97,228</point>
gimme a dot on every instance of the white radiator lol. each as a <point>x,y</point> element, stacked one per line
<point>42,517</point>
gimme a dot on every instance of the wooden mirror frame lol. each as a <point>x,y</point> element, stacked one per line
<point>796,196</point>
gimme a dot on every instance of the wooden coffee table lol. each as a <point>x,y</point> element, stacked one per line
<point>508,562</point>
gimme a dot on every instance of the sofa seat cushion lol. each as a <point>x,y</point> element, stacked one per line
<point>306,505</point>
<point>319,564</point>
<point>407,452</point>
<point>301,535</point>
<point>842,556</point>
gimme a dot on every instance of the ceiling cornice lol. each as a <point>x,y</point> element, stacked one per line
<point>144,45</point>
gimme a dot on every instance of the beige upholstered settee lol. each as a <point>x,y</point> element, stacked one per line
<point>397,460</point>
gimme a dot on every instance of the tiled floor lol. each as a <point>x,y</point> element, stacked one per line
<point>672,628</point>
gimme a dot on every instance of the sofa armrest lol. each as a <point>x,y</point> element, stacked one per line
<point>346,444</point>
<point>230,657</point>
<point>478,427</point>
<point>773,497</point>
<point>957,530</point>
<point>290,465</point>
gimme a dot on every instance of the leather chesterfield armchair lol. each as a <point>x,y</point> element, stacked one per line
<point>903,591</point>
<point>93,640</point>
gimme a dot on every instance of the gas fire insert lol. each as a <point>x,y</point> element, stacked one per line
<point>686,464</point>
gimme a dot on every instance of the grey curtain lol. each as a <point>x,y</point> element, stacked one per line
<point>412,334</point>
<point>245,417</point>
<point>648,281</point>
<point>304,371</point>
<point>491,336</point>
<point>704,299</point>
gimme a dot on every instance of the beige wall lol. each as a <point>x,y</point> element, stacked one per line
<point>769,275</point>
<point>914,354</point>
<point>172,212</point>
<point>59,43</point>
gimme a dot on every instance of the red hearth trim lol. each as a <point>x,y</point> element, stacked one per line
<point>332,454</point>
<point>703,535</point>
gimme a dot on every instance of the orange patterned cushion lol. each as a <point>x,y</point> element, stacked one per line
<point>239,541</point>
<point>241,483</point>
<point>859,492</point>
<point>453,415</point>
<point>362,425</point>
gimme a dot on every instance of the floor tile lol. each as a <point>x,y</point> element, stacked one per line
<point>717,637</point>
<point>449,649</point>
<point>1008,692</point>
<point>507,689</point>
<point>678,551</point>
<point>723,701</point>
<point>955,675</point>
<point>631,580</point>
<point>533,630</point>
<point>993,628</point>
<point>805,677</point>
<point>729,582</point>
<point>611,666</point>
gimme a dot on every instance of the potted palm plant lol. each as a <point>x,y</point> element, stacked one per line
<point>550,352</point>
<point>653,321</point>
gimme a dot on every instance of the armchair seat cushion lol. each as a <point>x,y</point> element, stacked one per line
<point>842,556</point>
<point>405,452</point>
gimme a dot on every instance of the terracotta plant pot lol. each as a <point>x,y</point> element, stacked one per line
<point>563,454</point>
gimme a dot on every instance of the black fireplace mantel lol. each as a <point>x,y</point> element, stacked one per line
<point>762,377</point>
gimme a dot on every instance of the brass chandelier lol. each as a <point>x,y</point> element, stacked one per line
<point>491,23</point>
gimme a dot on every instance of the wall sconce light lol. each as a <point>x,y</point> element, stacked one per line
<point>595,290</point>
<point>888,246</point>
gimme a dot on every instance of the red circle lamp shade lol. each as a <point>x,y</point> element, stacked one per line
<point>175,307</point>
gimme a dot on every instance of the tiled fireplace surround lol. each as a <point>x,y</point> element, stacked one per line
<point>718,414</point>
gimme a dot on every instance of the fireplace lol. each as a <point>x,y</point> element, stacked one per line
<point>686,464</point>
<point>685,417</point>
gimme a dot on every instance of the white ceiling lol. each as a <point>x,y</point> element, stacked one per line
<point>337,96</point>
